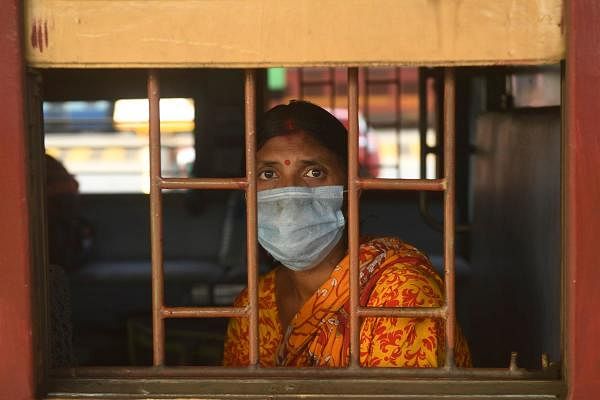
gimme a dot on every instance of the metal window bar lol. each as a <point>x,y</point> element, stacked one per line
<point>449,197</point>
<point>355,185</point>
<point>424,76</point>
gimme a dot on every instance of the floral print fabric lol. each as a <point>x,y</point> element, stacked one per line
<point>392,274</point>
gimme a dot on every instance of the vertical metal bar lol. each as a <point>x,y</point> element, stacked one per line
<point>156,228</point>
<point>353,192</point>
<point>449,200</point>
<point>438,81</point>
<point>423,120</point>
<point>250,138</point>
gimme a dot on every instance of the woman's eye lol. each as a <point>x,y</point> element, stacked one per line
<point>314,173</point>
<point>266,175</point>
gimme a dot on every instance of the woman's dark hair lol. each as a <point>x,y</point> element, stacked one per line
<point>306,117</point>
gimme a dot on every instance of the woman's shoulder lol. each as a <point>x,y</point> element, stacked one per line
<point>404,278</point>
<point>391,246</point>
<point>395,255</point>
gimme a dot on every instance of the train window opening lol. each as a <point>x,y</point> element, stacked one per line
<point>203,235</point>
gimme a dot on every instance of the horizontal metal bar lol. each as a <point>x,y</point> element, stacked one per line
<point>294,372</point>
<point>204,312</point>
<point>403,312</point>
<point>435,185</point>
<point>204,183</point>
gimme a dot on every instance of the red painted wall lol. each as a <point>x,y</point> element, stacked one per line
<point>583,202</point>
<point>16,365</point>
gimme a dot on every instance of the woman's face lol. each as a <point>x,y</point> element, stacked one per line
<point>297,159</point>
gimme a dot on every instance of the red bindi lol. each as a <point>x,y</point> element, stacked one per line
<point>287,162</point>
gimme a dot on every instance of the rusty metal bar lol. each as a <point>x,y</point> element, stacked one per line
<point>296,372</point>
<point>204,312</point>
<point>423,120</point>
<point>435,185</point>
<point>353,231</point>
<point>251,215</point>
<point>402,312</point>
<point>449,203</point>
<point>204,183</point>
<point>156,220</point>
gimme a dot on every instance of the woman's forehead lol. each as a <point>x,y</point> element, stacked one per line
<point>293,145</point>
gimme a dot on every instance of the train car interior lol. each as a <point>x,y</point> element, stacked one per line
<point>508,175</point>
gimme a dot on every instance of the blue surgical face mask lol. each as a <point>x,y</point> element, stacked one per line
<point>299,226</point>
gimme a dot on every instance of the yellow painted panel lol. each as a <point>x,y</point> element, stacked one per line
<point>246,33</point>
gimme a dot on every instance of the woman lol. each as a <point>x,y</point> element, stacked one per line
<point>304,301</point>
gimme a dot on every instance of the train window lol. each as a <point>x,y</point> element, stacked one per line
<point>181,330</point>
<point>448,143</point>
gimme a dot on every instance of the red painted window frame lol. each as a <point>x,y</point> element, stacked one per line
<point>582,197</point>
<point>16,341</point>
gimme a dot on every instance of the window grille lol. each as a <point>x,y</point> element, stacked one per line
<point>356,184</point>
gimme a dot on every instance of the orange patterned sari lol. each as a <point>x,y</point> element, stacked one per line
<point>392,274</point>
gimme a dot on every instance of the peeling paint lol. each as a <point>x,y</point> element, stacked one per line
<point>33,36</point>
<point>46,33</point>
<point>39,35</point>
